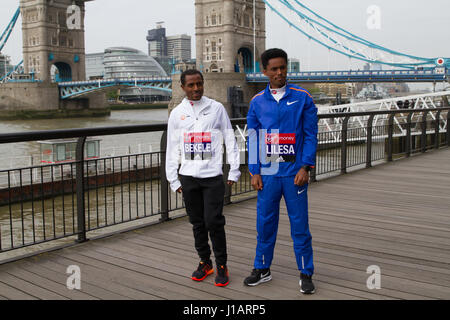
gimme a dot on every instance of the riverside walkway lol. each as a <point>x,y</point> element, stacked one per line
<point>395,216</point>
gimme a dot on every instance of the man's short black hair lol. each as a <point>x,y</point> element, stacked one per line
<point>189,72</point>
<point>272,53</point>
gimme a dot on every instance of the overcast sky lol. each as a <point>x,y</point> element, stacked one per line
<point>415,27</point>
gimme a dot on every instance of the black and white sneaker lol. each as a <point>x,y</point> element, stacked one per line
<point>306,284</point>
<point>258,276</point>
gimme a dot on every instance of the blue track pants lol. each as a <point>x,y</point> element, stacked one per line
<point>268,211</point>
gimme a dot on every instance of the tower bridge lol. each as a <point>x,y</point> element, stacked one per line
<point>53,35</point>
<point>53,46</point>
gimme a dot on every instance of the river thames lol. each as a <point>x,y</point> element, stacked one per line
<point>16,155</point>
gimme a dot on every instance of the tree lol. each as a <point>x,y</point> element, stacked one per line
<point>113,95</point>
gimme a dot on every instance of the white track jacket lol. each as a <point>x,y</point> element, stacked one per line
<point>196,138</point>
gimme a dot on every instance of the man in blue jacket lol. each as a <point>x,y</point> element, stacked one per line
<point>282,124</point>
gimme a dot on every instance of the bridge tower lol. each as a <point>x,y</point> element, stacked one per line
<point>53,39</point>
<point>225,35</point>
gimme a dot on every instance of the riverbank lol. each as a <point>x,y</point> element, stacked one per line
<point>53,114</point>
<point>77,113</point>
<point>138,106</point>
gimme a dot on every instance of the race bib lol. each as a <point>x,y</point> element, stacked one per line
<point>197,146</point>
<point>280,147</point>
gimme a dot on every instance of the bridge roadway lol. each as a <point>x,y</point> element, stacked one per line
<point>342,76</point>
<point>395,215</point>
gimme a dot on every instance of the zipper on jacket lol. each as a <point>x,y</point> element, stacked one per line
<point>278,107</point>
<point>278,110</point>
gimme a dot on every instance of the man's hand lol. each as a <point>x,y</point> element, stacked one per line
<point>301,178</point>
<point>257,182</point>
<point>230,182</point>
<point>179,190</point>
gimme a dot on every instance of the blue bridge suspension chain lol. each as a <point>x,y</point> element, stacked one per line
<point>345,34</point>
<point>5,35</point>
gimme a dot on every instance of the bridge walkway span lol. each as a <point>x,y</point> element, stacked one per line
<point>395,216</point>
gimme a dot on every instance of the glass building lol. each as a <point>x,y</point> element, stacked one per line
<point>124,62</point>
<point>94,66</point>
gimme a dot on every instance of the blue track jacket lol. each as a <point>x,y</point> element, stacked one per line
<point>295,115</point>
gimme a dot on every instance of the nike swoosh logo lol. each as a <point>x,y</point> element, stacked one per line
<point>289,103</point>
<point>264,275</point>
<point>301,191</point>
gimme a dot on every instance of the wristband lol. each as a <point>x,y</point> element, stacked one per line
<point>307,168</point>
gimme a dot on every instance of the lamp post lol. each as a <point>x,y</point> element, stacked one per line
<point>254,36</point>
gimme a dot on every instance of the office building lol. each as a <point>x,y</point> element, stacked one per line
<point>157,46</point>
<point>179,47</point>
<point>94,66</point>
<point>168,50</point>
<point>372,67</point>
<point>5,65</point>
<point>293,65</point>
<point>157,42</point>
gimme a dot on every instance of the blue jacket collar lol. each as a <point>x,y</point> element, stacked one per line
<point>268,94</point>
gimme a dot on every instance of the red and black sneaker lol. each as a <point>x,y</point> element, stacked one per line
<point>204,269</point>
<point>222,276</point>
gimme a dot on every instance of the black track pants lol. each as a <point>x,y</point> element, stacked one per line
<point>203,198</point>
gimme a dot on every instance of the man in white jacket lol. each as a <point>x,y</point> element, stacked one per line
<point>197,128</point>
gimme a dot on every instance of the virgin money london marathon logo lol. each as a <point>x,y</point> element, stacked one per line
<point>197,145</point>
<point>280,147</point>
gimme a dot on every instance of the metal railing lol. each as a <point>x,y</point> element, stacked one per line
<point>363,144</point>
<point>54,201</point>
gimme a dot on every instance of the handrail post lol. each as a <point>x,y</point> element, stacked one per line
<point>313,174</point>
<point>164,183</point>
<point>448,128</point>
<point>436,130</point>
<point>369,141</point>
<point>226,171</point>
<point>408,134</point>
<point>424,131</point>
<point>344,145</point>
<point>80,183</point>
<point>391,137</point>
